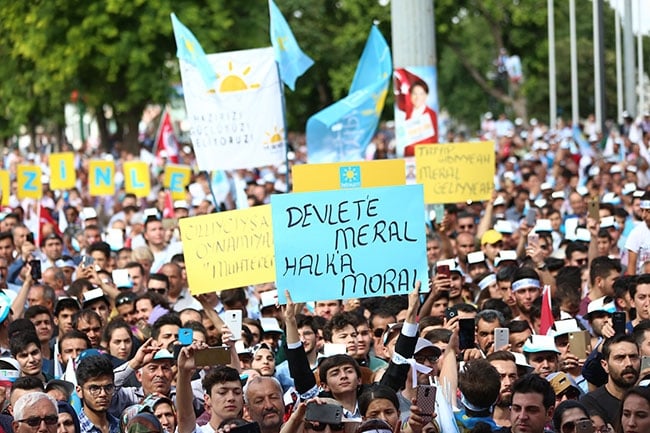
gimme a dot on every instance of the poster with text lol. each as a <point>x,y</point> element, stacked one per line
<point>350,243</point>
<point>416,107</point>
<point>239,123</point>
<point>456,172</point>
<point>228,249</point>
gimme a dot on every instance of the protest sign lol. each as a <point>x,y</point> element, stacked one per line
<point>239,123</point>
<point>62,172</point>
<point>101,175</point>
<point>228,249</point>
<point>5,188</point>
<point>322,177</point>
<point>456,172</point>
<point>136,178</point>
<point>29,182</point>
<point>176,178</point>
<point>351,243</point>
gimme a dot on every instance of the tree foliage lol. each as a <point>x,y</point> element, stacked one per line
<point>121,53</point>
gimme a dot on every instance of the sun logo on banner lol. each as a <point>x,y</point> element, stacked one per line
<point>233,82</point>
<point>350,176</point>
<point>379,104</point>
<point>275,138</point>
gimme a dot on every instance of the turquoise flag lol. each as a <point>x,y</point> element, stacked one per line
<point>291,60</point>
<point>189,50</point>
<point>342,131</point>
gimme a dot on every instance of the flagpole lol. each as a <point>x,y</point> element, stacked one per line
<point>284,121</point>
<point>214,197</point>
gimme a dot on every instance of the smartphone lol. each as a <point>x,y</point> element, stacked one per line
<point>594,209</point>
<point>618,321</point>
<point>466,333</point>
<point>144,329</point>
<point>212,356</point>
<point>185,336</point>
<point>115,238</point>
<point>251,427</point>
<point>426,401</point>
<point>533,238</point>
<point>443,270</point>
<point>232,318</point>
<point>501,338</point>
<point>36,269</point>
<point>30,237</point>
<point>645,362</point>
<point>584,426</point>
<point>531,217</point>
<point>450,313</point>
<point>87,260</point>
<point>578,344</point>
<point>324,413</point>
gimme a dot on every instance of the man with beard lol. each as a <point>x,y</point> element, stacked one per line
<point>263,398</point>
<point>621,362</point>
<point>486,322</point>
<point>525,289</point>
<point>505,364</point>
<point>95,388</point>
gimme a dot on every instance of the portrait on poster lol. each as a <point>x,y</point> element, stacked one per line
<point>416,108</point>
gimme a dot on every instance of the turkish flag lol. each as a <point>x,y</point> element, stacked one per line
<point>547,313</point>
<point>166,139</point>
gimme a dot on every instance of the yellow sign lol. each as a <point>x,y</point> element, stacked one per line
<point>29,182</point>
<point>62,173</point>
<point>5,188</point>
<point>176,178</point>
<point>101,175</point>
<point>456,172</point>
<point>342,175</point>
<point>136,178</point>
<point>228,249</point>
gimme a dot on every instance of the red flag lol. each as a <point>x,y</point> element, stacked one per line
<point>168,209</point>
<point>45,217</point>
<point>166,141</point>
<point>547,313</point>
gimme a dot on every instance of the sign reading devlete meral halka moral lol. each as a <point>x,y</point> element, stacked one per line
<point>239,123</point>
<point>350,243</point>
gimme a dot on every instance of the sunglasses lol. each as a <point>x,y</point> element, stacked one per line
<point>569,427</point>
<point>421,359</point>
<point>159,291</point>
<point>35,421</point>
<point>321,426</point>
<point>378,332</point>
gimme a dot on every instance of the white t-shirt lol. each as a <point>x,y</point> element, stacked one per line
<point>639,242</point>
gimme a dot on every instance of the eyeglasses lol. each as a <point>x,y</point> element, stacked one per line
<point>321,426</point>
<point>95,390</point>
<point>35,421</point>
<point>378,332</point>
<point>159,291</point>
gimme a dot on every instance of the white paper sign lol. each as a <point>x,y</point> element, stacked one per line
<point>239,123</point>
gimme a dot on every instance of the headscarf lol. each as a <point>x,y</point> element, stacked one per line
<point>144,422</point>
<point>65,407</point>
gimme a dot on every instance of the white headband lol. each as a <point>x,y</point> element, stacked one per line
<point>525,282</point>
<point>485,282</point>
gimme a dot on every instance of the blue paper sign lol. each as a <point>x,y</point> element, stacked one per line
<point>349,243</point>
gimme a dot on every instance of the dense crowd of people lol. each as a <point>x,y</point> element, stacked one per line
<point>536,317</point>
